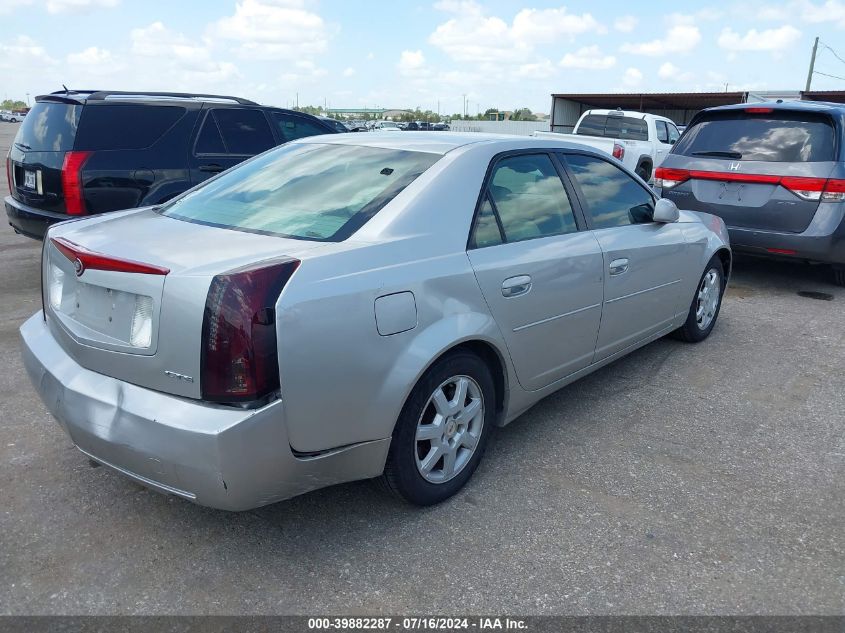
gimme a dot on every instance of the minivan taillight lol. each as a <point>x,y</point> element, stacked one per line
<point>238,359</point>
<point>666,177</point>
<point>72,182</point>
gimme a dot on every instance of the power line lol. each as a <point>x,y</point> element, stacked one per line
<point>835,54</point>
<point>816,72</point>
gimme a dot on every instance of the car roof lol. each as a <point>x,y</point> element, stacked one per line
<point>795,106</point>
<point>442,142</point>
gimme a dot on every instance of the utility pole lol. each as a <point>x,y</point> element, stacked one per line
<point>812,65</point>
<point>297,101</point>
<point>465,106</point>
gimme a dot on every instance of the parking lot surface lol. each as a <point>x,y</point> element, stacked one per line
<point>682,479</point>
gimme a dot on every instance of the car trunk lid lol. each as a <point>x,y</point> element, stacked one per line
<point>129,303</point>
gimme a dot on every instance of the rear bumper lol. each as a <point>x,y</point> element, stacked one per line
<point>822,241</point>
<point>222,457</point>
<point>30,221</point>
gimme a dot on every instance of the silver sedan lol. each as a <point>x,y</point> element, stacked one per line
<point>352,306</point>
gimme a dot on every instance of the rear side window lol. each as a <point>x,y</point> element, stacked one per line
<point>486,230</point>
<point>612,197</point>
<point>209,140</point>
<point>780,137</point>
<point>293,127</point>
<point>124,126</point>
<point>613,126</point>
<point>49,127</point>
<point>245,132</point>
<point>530,199</point>
<point>307,191</point>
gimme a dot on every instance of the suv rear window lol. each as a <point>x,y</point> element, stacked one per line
<point>614,126</point>
<point>306,191</point>
<point>124,126</point>
<point>780,137</point>
<point>49,127</point>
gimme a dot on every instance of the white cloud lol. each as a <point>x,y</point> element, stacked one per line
<point>669,72</point>
<point>772,40</point>
<point>588,57</point>
<point>831,12</point>
<point>273,29</point>
<point>349,72</point>
<point>625,23</point>
<point>24,53</point>
<point>79,6</point>
<point>542,69</point>
<point>472,36</point>
<point>681,38</point>
<point>632,78</point>
<point>411,62</point>
<point>8,6</point>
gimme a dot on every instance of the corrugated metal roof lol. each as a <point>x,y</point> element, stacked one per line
<point>656,100</point>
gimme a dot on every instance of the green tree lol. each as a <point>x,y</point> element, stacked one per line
<point>9,104</point>
<point>522,114</point>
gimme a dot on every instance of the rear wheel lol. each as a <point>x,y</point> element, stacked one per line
<point>706,304</point>
<point>442,431</point>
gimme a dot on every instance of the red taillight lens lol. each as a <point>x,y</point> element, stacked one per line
<point>666,177</point>
<point>72,182</point>
<point>239,362</point>
<point>618,151</point>
<point>759,110</point>
<point>100,261</point>
<point>9,172</point>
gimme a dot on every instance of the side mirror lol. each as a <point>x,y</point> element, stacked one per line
<point>666,211</point>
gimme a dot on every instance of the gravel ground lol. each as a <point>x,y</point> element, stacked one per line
<point>682,479</point>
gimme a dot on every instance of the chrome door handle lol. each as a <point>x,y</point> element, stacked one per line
<point>515,286</point>
<point>618,266</point>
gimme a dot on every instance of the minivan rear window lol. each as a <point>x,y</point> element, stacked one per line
<point>49,127</point>
<point>308,191</point>
<point>779,137</point>
<point>125,125</point>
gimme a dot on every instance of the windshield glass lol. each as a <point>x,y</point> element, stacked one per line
<point>777,137</point>
<point>49,127</point>
<point>305,191</point>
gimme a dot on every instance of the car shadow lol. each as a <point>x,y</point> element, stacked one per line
<point>752,275</point>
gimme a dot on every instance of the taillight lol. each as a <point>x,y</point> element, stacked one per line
<point>618,151</point>
<point>239,361</point>
<point>83,259</point>
<point>666,177</point>
<point>72,182</point>
<point>9,172</point>
<point>759,110</point>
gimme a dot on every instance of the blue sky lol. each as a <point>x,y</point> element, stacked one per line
<point>407,54</point>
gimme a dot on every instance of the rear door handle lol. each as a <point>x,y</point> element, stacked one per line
<point>515,286</point>
<point>214,168</point>
<point>619,266</point>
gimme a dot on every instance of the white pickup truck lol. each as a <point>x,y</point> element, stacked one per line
<point>641,141</point>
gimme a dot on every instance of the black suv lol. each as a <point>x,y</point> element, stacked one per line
<point>85,152</point>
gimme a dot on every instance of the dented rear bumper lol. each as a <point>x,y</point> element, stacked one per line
<point>223,457</point>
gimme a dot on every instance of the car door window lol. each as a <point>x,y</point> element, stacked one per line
<point>662,131</point>
<point>245,132</point>
<point>674,134</point>
<point>486,231</point>
<point>611,196</point>
<point>209,140</point>
<point>528,199</point>
<point>293,127</point>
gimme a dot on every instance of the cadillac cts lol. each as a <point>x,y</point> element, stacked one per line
<point>347,307</point>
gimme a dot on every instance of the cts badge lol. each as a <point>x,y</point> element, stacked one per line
<point>182,377</point>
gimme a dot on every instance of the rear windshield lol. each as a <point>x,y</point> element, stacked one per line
<point>49,127</point>
<point>613,126</point>
<point>124,125</point>
<point>305,191</point>
<point>780,137</point>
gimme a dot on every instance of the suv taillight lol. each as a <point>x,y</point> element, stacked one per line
<point>238,361</point>
<point>9,172</point>
<point>618,151</point>
<point>666,177</point>
<point>72,182</point>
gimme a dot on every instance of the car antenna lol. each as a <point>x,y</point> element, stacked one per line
<point>67,92</point>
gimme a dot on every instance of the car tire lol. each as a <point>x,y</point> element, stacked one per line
<point>426,435</point>
<point>705,307</point>
<point>839,275</point>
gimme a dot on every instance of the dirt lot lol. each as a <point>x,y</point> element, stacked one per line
<point>681,479</point>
